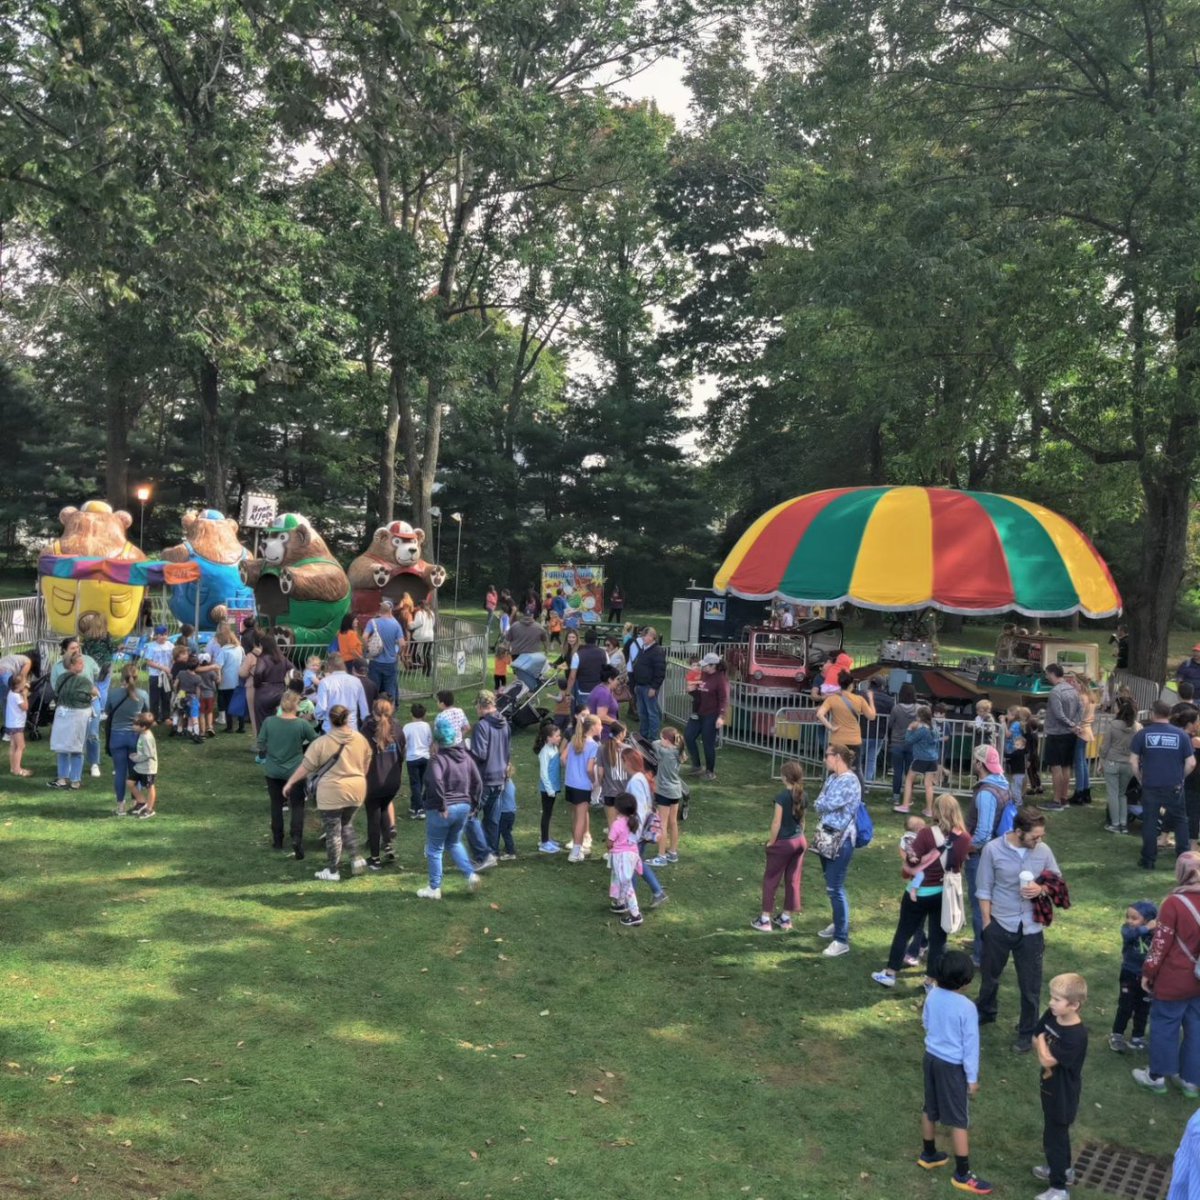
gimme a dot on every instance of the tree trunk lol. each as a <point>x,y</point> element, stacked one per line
<point>210,429</point>
<point>387,452</point>
<point>1164,550</point>
<point>116,450</point>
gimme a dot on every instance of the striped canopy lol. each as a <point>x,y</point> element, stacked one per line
<point>895,548</point>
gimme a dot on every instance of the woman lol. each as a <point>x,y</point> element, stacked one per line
<point>282,741</point>
<point>841,710</point>
<point>602,703</point>
<point>938,848</point>
<point>1115,764</point>
<point>98,646</point>
<point>270,676</point>
<point>570,647</point>
<point>616,603</point>
<point>711,695</point>
<point>1084,732</point>
<point>340,758</point>
<point>404,614</point>
<point>383,779</point>
<point>423,631</point>
<point>73,697</point>
<point>349,643</point>
<point>903,714</point>
<point>124,706</point>
<point>616,656</point>
<point>785,853</point>
<point>1168,974</point>
<point>837,806</point>
<point>229,657</point>
<point>453,790</point>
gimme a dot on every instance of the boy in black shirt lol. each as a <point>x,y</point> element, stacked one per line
<point>1061,1045</point>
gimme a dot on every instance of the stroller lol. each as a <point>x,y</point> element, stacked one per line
<point>651,760</point>
<point>41,708</point>
<point>518,705</point>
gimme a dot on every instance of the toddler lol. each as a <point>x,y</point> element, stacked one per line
<point>624,860</point>
<point>912,826</point>
<point>1134,1001</point>
<point>16,710</point>
<point>187,694</point>
<point>453,714</point>
<point>503,662</point>
<point>312,674</point>
<point>1016,734</point>
<point>144,761</point>
<point>1061,1045</point>
<point>548,748</point>
<point>508,814</point>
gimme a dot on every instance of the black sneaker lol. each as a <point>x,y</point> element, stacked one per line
<point>939,1158</point>
<point>391,834</point>
<point>374,864</point>
<point>137,810</point>
<point>298,850</point>
<point>618,909</point>
<point>632,920</point>
<point>389,852</point>
<point>210,733</point>
<point>1022,1045</point>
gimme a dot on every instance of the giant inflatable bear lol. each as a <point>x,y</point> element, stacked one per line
<point>392,565</point>
<point>297,583</point>
<point>95,536</point>
<point>210,540</point>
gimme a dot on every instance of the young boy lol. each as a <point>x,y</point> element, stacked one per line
<point>445,703</point>
<point>144,761</point>
<point>187,694</point>
<point>1134,1000</point>
<point>418,744</point>
<point>210,677</point>
<point>1061,1045</point>
<point>508,815</point>
<point>312,674</point>
<point>951,1070</point>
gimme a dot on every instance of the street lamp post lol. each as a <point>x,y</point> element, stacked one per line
<point>457,518</point>
<point>143,494</point>
<point>436,514</point>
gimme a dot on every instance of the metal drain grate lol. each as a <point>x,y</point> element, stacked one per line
<point>1117,1172</point>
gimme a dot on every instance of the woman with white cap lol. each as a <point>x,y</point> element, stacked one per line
<point>710,696</point>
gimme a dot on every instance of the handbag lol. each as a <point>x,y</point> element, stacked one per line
<point>313,781</point>
<point>954,914</point>
<point>373,647</point>
<point>828,842</point>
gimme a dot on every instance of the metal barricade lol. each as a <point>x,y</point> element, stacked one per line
<point>22,623</point>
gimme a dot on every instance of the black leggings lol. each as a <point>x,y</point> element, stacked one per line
<point>377,824</point>
<point>913,914</point>
<point>278,800</point>
<point>548,799</point>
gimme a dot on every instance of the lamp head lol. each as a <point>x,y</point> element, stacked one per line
<point>143,493</point>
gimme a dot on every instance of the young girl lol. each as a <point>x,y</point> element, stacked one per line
<point>923,742</point>
<point>649,826</point>
<point>503,662</point>
<point>785,853</point>
<point>508,814</point>
<point>624,860</point>
<point>668,792</point>
<point>144,761</point>
<point>548,748</point>
<point>1016,725</point>
<point>612,769</point>
<point>582,773</point>
<point>16,710</point>
<point>562,705</point>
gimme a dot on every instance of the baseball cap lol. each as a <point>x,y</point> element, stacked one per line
<point>710,660</point>
<point>445,732</point>
<point>1196,649</point>
<point>159,629</point>
<point>989,757</point>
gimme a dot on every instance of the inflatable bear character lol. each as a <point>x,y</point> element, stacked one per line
<point>210,540</point>
<point>392,565</point>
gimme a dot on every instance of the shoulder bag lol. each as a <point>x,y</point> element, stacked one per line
<point>313,781</point>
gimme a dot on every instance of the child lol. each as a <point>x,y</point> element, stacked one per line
<point>624,860</point>
<point>921,740</point>
<point>581,773</point>
<point>1033,758</point>
<point>562,705</point>
<point>312,674</point>
<point>555,624</point>
<point>144,761</point>
<point>548,748</point>
<point>16,712</point>
<point>508,814</point>
<point>1016,725</point>
<point>1134,1001</point>
<point>912,827</point>
<point>503,662</point>
<point>785,853</point>
<point>306,710</point>
<point>1061,1045</point>
<point>951,1070</point>
<point>649,826</point>
<point>668,792</point>
<point>941,714</point>
<point>418,744</point>
<point>187,694</point>
<point>454,714</point>
<point>210,678</point>
<point>984,719</point>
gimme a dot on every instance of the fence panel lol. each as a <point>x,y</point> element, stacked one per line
<point>22,623</point>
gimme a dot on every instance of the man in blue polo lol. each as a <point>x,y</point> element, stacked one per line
<point>1161,757</point>
<point>383,665</point>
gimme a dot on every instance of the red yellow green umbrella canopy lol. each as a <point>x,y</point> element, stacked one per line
<point>912,547</point>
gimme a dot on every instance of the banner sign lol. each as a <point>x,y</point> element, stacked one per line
<point>258,511</point>
<point>582,591</point>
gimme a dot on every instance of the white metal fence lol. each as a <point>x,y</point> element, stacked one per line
<point>22,623</point>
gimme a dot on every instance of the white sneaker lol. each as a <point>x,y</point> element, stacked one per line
<point>576,855</point>
<point>358,866</point>
<point>549,848</point>
<point>508,858</point>
<point>836,949</point>
<point>1054,1194</point>
<point>881,977</point>
<point>328,876</point>
<point>487,863</point>
<point>587,843</point>
<point>827,932</point>
<point>95,770</point>
<point>428,893</point>
<point>473,882</point>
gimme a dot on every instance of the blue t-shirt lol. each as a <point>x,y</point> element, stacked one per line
<point>1162,751</point>
<point>390,634</point>
<point>577,765</point>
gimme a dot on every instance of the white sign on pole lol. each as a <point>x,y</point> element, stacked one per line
<point>460,662</point>
<point>258,511</point>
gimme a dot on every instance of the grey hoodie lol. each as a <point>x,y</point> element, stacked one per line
<point>490,739</point>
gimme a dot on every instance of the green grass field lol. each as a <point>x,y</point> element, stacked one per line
<point>189,1014</point>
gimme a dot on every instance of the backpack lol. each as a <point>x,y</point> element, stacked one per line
<point>374,644</point>
<point>864,827</point>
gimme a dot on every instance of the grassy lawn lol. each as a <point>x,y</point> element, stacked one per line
<point>188,1014</point>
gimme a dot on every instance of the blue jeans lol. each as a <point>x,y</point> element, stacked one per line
<point>442,832</point>
<point>70,766</point>
<point>649,850</point>
<point>870,758</point>
<point>649,712</point>
<point>702,728</point>
<point>1167,1019</point>
<point>1083,777</point>
<point>901,761</point>
<point>834,870</point>
<point>121,746</point>
<point>970,871</point>
<point>491,815</point>
<point>477,838</point>
<point>92,746</point>
<point>384,677</point>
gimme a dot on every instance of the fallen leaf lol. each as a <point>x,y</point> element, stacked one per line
<point>518,1056</point>
<point>502,957</point>
<point>572,1092</point>
<point>126,1143</point>
<point>74,1178</point>
<point>474,1154</point>
<point>493,907</point>
<point>544,1013</point>
<point>600,1099</point>
<point>552,1162</point>
<point>189,1079</point>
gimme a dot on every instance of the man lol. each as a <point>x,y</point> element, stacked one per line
<point>1006,909</point>
<point>648,672</point>
<point>586,664</point>
<point>1189,670</point>
<point>874,732</point>
<point>490,748</point>
<point>526,636</point>
<point>490,600</point>
<point>1161,757</point>
<point>991,816</point>
<point>339,687</point>
<point>383,665</point>
<point>358,668</point>
<point>1064,711</point>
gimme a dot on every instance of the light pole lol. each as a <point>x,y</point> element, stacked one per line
<point>436,514</point>
<point>142,494</point>
<point>457,518</point>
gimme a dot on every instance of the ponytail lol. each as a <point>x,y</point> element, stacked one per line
<point>543,736</point>
<point>793,779</point>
